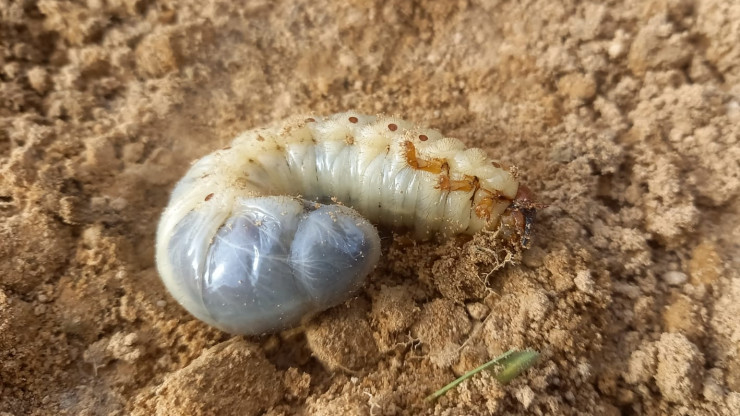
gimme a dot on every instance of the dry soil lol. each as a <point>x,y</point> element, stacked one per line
<point>624,118</point>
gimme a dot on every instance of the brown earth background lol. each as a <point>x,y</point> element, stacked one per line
<point>624,117</point>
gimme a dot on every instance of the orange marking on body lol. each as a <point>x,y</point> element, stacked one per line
<point>485,205</point>
<point>467,184</point>
<point>439,166</point>
<point>483,208</point>
<point>431,166</point>
<point>443,183</point>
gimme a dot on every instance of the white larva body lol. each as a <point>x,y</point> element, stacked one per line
<point>391,172</point>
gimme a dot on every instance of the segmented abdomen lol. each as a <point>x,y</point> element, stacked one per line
<point>393,173</point>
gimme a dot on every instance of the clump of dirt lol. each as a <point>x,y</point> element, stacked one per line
<point>217,382</point>
<point>624,119</point>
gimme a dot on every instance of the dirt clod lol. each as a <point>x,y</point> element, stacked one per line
<point>341,338</point>
<point>216,382</point>
<point>680,369</point>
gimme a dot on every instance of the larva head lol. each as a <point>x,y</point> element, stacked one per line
<point>517,220</point>
<point>273,261</point>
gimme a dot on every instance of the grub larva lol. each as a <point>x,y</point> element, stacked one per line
<point>253,239</point>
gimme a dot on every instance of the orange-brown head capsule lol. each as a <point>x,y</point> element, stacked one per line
<point>521,214</point>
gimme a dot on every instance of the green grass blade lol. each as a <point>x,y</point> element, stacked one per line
<point>511,364</point>
<point>515,364</point>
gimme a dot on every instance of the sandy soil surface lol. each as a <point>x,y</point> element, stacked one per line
<point>623,117</point>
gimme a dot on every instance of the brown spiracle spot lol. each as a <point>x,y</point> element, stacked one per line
<point>392,127</point>
<point>208,197</point>
<point>310,120</point>
<point>260,139</point>
<point>353,120</point>
<point>423,137</point>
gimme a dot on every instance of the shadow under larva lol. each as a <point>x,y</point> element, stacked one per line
<point>251,241</point>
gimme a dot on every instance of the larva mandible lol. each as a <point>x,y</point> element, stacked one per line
<point>252,242</point>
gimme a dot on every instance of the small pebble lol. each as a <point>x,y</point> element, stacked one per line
<point>675,278</point>
<point>525,395</point>
<point>616,49</point>
<point>584,282</point>
<point>477,310</point>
